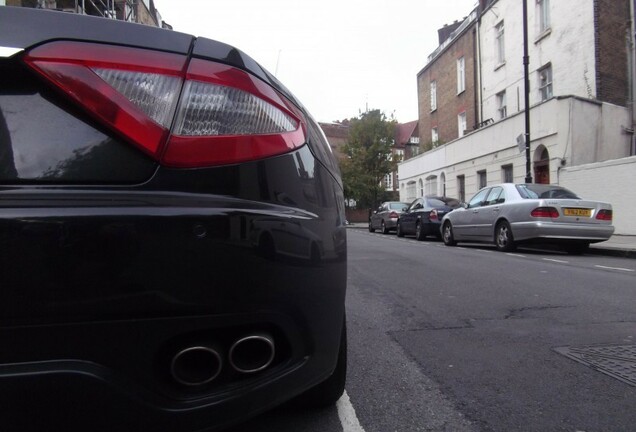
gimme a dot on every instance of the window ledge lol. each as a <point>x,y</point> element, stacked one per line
<point>500,65</point>
<point>543,35</point>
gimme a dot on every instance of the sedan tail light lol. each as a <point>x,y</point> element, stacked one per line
<point>433,215</point>
<point>182,113</point>
<point>393,215</point>
<point>604,215</point>
<point>545,212</point>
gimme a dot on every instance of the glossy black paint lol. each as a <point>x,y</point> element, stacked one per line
<point>103,281</point>
<point>419,213</point>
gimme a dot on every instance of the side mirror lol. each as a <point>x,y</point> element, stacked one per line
<point>404,209</point>
<point>464,205</point>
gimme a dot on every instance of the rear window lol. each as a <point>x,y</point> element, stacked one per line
<point>44,140</point>
<point>397,206</point>
<point>541,191</point>
<point>443,201</point>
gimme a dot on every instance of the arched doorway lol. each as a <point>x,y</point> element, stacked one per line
<point>542,165</point>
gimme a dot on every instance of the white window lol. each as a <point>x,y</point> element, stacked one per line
<point>388,181</point>
<point>543,14</point>
<point>461,124</point>
<point>506,174</point>
<point>500,46</point>
<point>545,82</point>
<point>461,75</point>
<point>433,95</point>
<point>501,105</point>
<point>420,183</point>
<point>431,185</point>
<point>434,137</point>
<point>414,140</point>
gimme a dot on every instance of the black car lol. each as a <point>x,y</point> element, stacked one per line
<point>172,238</point>
<point>423,216</point>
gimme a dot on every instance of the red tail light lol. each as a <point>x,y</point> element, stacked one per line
<point>545,212</point>
<point>218,114</point>
<point>393,215</point>
<point>433,215</point>
<point>604,215</point>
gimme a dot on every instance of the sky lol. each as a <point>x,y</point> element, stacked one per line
<point>338,57</point>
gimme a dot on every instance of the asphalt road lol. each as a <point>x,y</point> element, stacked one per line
<point>470,339</point>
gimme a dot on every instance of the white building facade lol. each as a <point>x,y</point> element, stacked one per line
<point>570,126</point>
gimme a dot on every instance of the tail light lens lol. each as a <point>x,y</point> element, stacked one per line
<point>433,215</point>
<point>545,212</point>
<point>393,215</point>
<point>604,215</point>
<point>182,113</point>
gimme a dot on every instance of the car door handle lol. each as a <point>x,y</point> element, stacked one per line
<point>496,209</point>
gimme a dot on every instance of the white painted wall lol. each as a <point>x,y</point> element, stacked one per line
<point>610,181</point>
<point>568,46</point>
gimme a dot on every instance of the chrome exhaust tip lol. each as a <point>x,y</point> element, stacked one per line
<point>252,353</point>
<point>196,366</point>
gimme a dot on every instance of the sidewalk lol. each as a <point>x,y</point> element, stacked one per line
<point>617,245</point>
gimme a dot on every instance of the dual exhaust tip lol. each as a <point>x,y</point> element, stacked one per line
<point>200,365</point>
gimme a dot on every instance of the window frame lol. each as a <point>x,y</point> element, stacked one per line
<point>461,75</point>
<point>502,105</point>
<point>500,43</point>
<point>461,124</point>
<point>543,15</point>
<point>545,86</point>
<point>433,90</point>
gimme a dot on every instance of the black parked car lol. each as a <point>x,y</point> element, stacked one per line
<point>423,216</point>
<point>172,239</point>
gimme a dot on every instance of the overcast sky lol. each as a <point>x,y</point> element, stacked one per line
<point>336,56</point>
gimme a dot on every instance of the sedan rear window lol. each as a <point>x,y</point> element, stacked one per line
<point>535,191</point>
<point>397,206</point>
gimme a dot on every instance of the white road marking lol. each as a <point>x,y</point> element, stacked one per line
<point>556,260</point>
<point>615,268</point>
<point>347,415</point>
<point>516,255</point>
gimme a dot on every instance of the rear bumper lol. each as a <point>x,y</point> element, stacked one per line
<point>592,233</point>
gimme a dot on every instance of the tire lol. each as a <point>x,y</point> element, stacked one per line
<point>329,391</point>
<point>577,248</point>
<point>504,239</point>
<point>385,230</point>
<point>419,232</point>
<point>398,229</point>
<point>447,234</point>
<point>371,229</point>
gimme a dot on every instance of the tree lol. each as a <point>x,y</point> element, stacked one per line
<point>368,157</point>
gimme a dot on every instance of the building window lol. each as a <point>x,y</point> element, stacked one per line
<point>545,82</point>
<point>502,109</point>
<point>434,137</point>
<point>414,140</point>
<point>543,7</point>
<point>431,185</point>
<point>506,174</point>
<point>499,43</point>
<point>482,181</point>
<point>388,181</point>
<point>461,75</point>
<point>461,188</point>
<point>461,124</point>
<point>420,185</point>
<point>433,95</point>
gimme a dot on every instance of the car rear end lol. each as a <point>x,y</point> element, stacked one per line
<point>141,285</point>
<point>555,213</point>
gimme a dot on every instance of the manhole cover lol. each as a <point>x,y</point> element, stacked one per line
<point>618,361</point>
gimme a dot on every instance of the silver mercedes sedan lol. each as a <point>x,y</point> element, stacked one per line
<point>510,214</point>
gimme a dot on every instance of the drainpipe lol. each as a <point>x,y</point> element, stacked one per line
<point>526,79</point>
<point>479,102</point>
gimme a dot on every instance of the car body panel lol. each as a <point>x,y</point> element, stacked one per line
<point>383,215</point>
<point>419,211</point>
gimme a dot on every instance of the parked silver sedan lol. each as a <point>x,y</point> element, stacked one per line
<point>509,214</point>
<point>385,217</point>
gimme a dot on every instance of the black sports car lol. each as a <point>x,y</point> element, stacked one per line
<point>172,239</point>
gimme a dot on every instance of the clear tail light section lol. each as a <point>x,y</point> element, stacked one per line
<point>183,113</point>
<point>545,212</point>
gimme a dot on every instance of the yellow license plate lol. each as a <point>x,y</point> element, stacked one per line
<point>577,212</point>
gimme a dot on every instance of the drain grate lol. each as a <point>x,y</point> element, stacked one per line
<point>617,361</point>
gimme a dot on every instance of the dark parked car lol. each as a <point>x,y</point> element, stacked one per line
<point>423,216</point>
<point>510,214</point>
<point>385,217</point>
<point>172,239</point>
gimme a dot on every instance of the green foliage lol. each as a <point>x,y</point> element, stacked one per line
<point>368,158</point>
